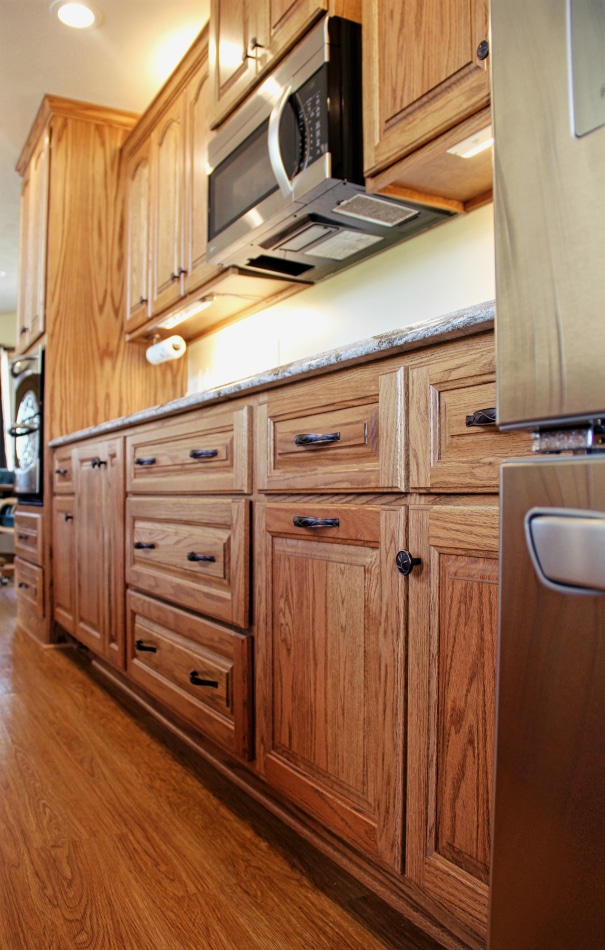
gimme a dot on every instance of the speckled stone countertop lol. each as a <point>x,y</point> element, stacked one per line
<point>460,323</point>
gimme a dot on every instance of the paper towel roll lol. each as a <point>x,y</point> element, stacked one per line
<point>171,348</point>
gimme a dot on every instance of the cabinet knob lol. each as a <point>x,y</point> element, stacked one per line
<point>196,680</point>
<point>98,463</point>
<point>142,300</point>
<point>24,330</point>
<point>67,517</point>
<point>483,50</point>
<point>252,45</point>
<point>192,556</point>
<point>406,563</point>
<point>482,417</point>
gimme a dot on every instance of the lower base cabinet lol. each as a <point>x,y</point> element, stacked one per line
<point>452,631</point>
<point>331,666</point>
<point>64,562</point>
<point>198,668</point>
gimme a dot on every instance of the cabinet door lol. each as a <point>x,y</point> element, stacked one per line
<point>139,198</point>
<point>168,177</point>
<point>452,634</point>
<point>422,72</point>
<point>235,26</point>
<point>196,201</point>
<point>63,562</point>
<point>330,667</point>
<point>32,263</point>
<point>99,516</point>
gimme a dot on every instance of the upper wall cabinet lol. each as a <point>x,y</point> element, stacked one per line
<point>247,36</point>
<point>138,187</point>
<point>426,88</point>
<point>32,250</point>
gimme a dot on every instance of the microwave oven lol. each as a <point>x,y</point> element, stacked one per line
<point>286,186</point>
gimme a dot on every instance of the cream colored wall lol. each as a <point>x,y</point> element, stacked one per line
<point>8,329</point>
<point>438,272</point>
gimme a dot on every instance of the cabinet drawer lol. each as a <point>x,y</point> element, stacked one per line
<point>451,446</point>
<point>29,536</point>
<point>199,669</point>
<point>63,477</point>
<point>191,551</point>
<point>204,451</point>
<point>29,583</point>
<point>342,432</point>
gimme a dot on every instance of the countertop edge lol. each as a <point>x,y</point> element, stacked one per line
<point>460,323</point>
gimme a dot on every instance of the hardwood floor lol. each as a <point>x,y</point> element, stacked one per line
<point>111,839</point>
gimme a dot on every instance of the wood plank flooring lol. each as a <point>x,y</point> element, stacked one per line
<point>109,838</point>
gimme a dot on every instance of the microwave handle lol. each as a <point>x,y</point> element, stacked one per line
<point>281,176</point>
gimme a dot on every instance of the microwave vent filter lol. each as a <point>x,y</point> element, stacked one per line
<point>303,239</point>
<point>343,244</point>
<point>376,210</point>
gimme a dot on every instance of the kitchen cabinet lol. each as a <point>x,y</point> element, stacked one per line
<point>99,547</point>
<point>31,307</point>
<point>426,87</point>
<point>331,666</point>
<point>64,562</point>
<point>138,186</point>
<point>452,632</point>
<point>167,201</point>
<point>247,37</point>
<point>31,578</point>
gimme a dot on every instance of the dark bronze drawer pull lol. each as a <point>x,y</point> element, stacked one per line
<point>144,545</point>
<point>143,647</point>
<point>308,522</point>
<point>60,471</point>
<point>406,563</point>
<point>67,517</point>
<point>482,417</point>
<point>98,463</point>
<point>195,680</point>
<point>23,585</point>
<point>23,537</point>
<point>203,453</point>
<point>312,438</point>
<point>147,461</point>
<point>192,556</point>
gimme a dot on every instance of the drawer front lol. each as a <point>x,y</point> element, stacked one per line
<point>29,536</point>
<point>62,473</point>
<point>193,552</point>
<point>453,444</point>
<point>29,584</point>
<point>204,451</point>
<point>342,432</point>
<point>199,669</point>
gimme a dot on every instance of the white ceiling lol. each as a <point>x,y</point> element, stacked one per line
<point>120,64</point>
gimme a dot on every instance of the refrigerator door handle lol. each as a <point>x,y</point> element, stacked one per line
<point>567,548</point>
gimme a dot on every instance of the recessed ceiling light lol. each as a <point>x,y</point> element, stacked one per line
<point>80,16</point>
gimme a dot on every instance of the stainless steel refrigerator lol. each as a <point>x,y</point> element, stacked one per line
<point>548,848</point>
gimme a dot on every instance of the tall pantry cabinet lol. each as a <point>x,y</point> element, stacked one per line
<point>71,295</point>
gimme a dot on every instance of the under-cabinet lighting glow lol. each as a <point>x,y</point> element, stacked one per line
<point>191,310</point>
<point>474,144</point>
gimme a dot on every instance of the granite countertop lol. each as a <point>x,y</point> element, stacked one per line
<point>460,323</point>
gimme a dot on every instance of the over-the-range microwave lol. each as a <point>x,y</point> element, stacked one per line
<point>286,184</point>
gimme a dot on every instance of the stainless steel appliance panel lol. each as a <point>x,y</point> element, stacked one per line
<point>549,194</point>
<point>548,867</point>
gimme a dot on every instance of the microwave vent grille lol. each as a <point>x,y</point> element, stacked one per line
<point>376,210</point>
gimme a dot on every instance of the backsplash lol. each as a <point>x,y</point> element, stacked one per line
<point>438,272</point>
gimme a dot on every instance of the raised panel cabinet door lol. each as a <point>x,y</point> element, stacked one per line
<point>139,206</point>
<point>234,53</point>
<point>452,632</point>
<point>32,259</point>
<point>99,517</point>
<point>196,179</point>
<point>167,184</point>
<point>63,562</point>
<point>330,666</point>
<point>423,72</point>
